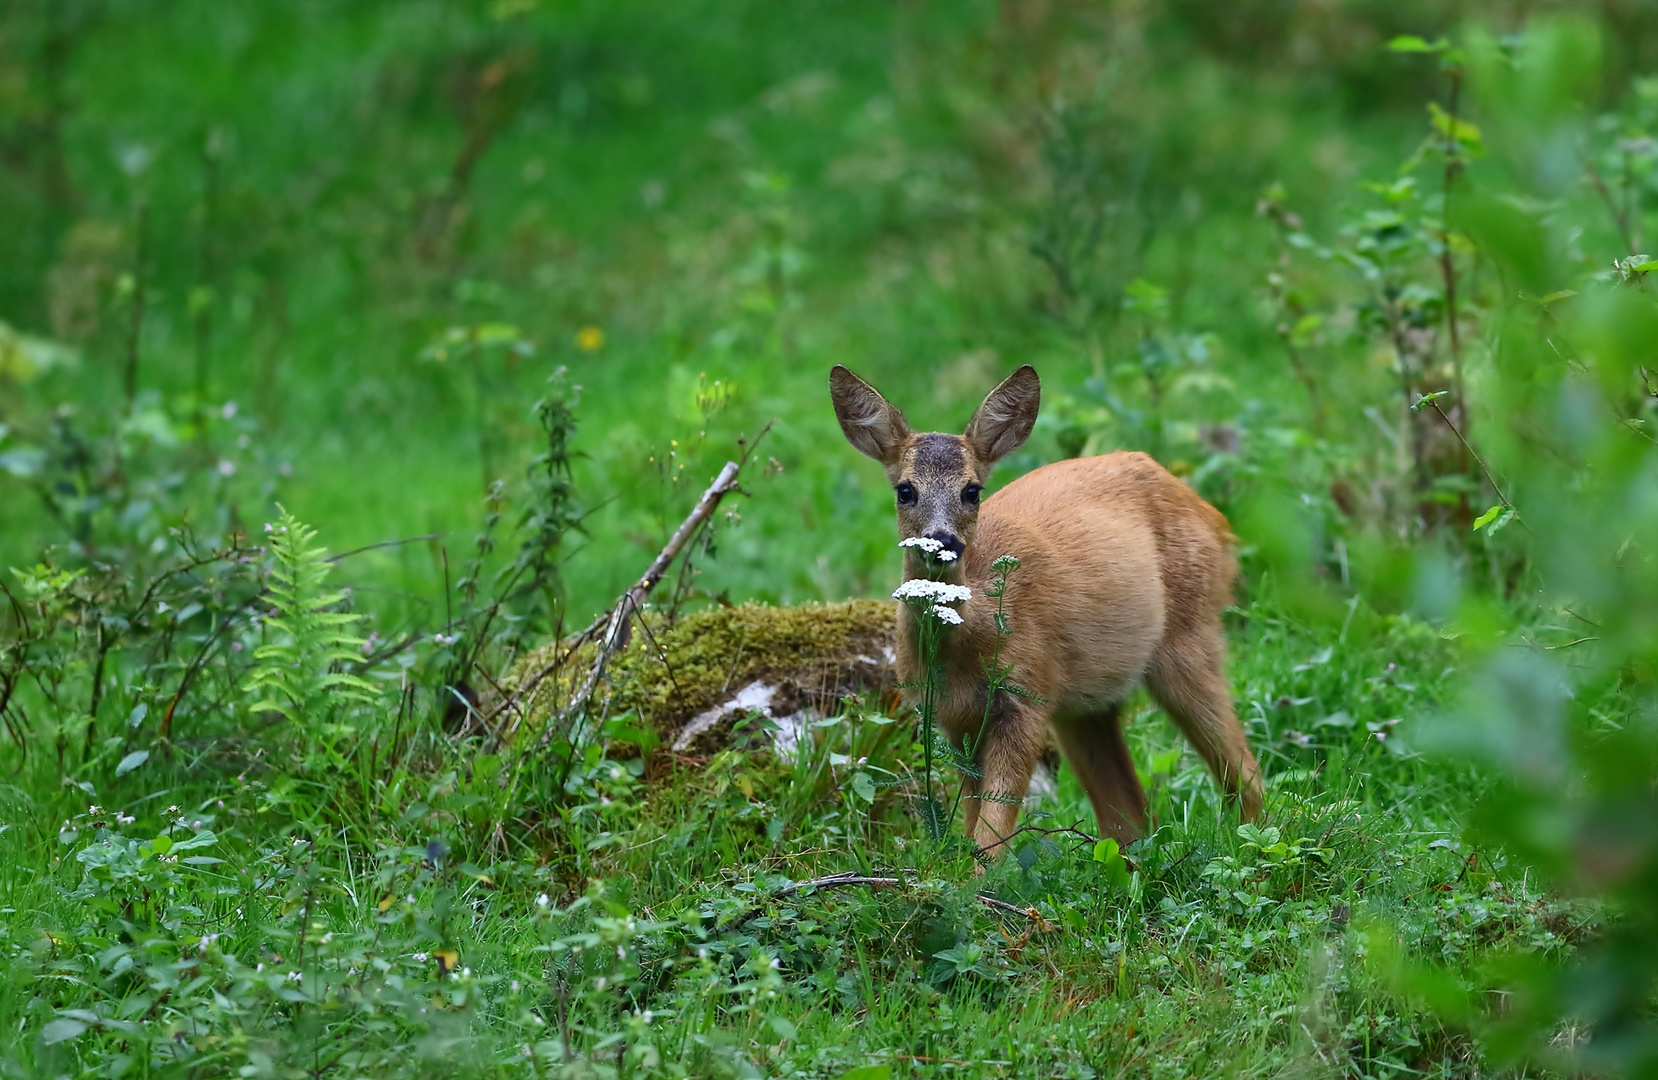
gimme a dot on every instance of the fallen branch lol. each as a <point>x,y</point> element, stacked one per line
<point>527,686</point>
<point>853,877</point>
<point>616,633</point>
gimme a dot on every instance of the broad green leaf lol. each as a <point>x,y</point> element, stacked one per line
<point>61,1030</point>
<point>202,839</point>
<point>1449,127</point>
<point>131,762</point>
<point>1488,517</point>
<point>863,785</point>
<point>868,1072</point>
<point>1410,43</point>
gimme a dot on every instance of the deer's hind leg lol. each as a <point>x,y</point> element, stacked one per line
<point>1187,676</point>
<point>1098,752</point>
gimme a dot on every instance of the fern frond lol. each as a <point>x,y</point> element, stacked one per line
<point>297,670</point>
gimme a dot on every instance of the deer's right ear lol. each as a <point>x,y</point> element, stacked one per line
<point>870,423</point>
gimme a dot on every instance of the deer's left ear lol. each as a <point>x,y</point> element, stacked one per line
<point>1004,421</point>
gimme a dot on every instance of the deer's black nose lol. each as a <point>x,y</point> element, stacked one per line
<point>949,542</point>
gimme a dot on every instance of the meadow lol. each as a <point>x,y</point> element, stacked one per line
<point>355,357</point>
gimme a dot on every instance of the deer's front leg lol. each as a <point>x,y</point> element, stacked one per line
<point>1011,748</point>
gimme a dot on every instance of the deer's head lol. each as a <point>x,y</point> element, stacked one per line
<point>937,478</point>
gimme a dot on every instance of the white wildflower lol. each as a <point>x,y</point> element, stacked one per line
<point>939,592</point>
<point>945,556</point>
<point>926,543</point>
<point>947,615</point>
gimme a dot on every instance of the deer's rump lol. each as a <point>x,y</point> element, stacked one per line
<point>1115,551</point>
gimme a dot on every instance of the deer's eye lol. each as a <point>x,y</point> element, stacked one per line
<point>906,493</point>
<point>970,494</point>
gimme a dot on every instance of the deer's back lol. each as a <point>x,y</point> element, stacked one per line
<point>1115,552</point>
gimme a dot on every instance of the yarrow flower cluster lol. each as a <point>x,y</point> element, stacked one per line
<point>947,615</point>
<point>939,592</point>
<point>929,546</point>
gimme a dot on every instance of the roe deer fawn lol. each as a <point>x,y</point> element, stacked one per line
<point>1125,572</point>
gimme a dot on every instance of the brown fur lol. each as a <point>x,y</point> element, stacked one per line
<point>1124,573</point>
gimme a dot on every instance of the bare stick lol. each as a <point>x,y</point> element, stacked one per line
<point>1492,480</point>
<point>1619,217</point>
<point>528,686</point>
<point>135,322</point>
<point>628,604</point>
<point>852,877</point>
<point>1447,265</point>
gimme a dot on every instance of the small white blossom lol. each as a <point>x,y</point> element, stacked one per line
<point>939,592</point>
<point>948,615</point>
<point>926,543</point>
<point>945,556</point>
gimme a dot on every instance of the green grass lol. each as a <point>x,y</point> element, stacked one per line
<point>739,195</point>
<point>1216,957</point>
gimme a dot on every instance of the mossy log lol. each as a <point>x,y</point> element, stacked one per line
<point>693,678</point>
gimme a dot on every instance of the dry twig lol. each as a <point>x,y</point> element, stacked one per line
<point>628,605</point>
<point>882,881</point>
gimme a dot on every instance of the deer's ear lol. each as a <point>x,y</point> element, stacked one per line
<point>870,423</point>
<point>1004,421</point>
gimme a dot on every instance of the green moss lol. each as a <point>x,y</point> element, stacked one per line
<point>670,672</point>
